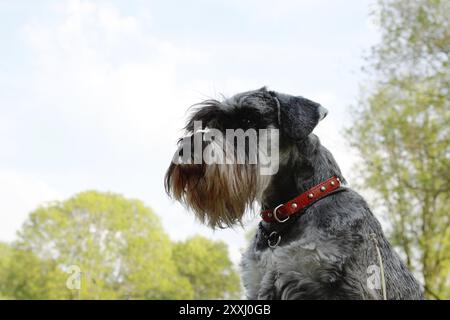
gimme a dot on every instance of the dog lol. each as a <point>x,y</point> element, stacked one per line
<point>318,238</point>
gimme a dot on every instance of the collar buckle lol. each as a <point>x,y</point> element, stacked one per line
<point>274,212</point>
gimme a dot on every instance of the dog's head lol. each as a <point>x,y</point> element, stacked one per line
<point>231,148</point>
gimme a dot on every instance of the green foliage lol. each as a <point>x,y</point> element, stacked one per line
<point>5,258</point>
<point>402,134</point>
<point>205,263</point>
<point>117,244</point>
<point>27,277</point>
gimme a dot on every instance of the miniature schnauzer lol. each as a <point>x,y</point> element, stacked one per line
<point>318,239</point>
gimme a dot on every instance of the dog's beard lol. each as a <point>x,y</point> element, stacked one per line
<point>218,194</point>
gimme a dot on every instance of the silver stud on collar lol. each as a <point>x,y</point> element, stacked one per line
<point>310,195</point>
<point>332,183</point>
<point>294,205</point>
<point>322,188</point>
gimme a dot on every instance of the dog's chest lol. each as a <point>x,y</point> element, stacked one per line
<point>263,272</point>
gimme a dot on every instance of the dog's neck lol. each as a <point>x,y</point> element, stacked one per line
<point>302,165</point>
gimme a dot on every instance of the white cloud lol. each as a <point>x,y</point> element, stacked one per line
<point>21,194</point>
<point>98,66</point>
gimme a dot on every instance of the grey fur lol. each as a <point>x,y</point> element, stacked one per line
<point>325,252</point>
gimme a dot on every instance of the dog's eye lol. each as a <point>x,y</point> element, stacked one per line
<point>247,123</point>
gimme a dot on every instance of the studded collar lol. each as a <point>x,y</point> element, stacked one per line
<point>283,212</point>
<point>280,219</point>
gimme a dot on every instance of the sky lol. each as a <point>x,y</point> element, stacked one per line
<point>93,94</point>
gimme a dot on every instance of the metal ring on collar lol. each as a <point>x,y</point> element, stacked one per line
<point>276,243</point>
<point>275,214</point>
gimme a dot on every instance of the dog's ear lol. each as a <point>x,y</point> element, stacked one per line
<point>298,116</point>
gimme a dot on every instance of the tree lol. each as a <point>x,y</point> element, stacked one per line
<point>103,246</point>
<point>5,258</point>
<point>207,266</point>
<point>118,245</point>
<point>25,276</point>
<point>401,131</point>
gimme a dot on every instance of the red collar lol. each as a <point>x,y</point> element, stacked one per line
<point>283,211</point>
